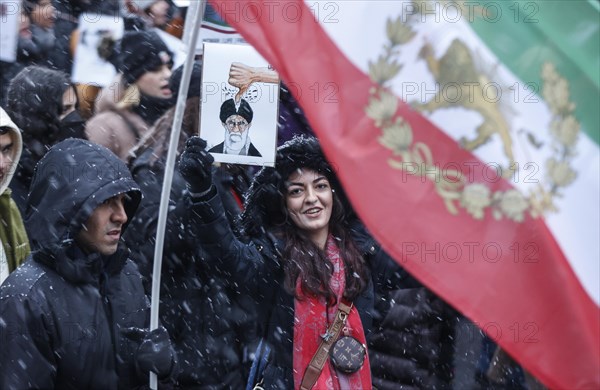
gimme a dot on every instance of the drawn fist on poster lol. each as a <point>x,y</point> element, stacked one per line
<point>242,76</point>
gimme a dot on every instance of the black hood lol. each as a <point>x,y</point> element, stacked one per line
<point>69,182</point>
<point>35,102</point>
<point>264,203</point>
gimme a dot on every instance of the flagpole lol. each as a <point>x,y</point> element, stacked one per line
<point>198,13</point>
<point>191,11</point>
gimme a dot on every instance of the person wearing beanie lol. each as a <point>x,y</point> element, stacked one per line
<point>236,120</point>
<point>13,238</point>
<point>142,94</point>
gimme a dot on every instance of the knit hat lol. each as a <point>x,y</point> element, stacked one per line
<point>141,52</point>
<point>228,109</point>
<point>264,200</point>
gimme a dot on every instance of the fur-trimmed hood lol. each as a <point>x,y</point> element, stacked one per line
<point>17,148</point>
<point>264,202</point>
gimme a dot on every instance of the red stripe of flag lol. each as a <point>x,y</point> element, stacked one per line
<point>537,311</point>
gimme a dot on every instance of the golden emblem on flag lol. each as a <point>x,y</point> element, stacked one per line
<point>416,158</point>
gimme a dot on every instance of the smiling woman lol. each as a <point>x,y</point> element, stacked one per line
<point>308,200</point>
<point>306,254</point>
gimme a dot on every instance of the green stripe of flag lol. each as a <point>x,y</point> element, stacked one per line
<point>525,34</point>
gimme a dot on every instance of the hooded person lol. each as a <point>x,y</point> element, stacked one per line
<point>13,236</point>
<point>43,104</point>
<point>308,261</point>
<point>236,120</point>
<point>14,244</point>
<point>142,95</point>
<point>74,314</point>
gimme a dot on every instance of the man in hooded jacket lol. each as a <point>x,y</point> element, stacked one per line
<point>13,237</point>
<point>73,315</point>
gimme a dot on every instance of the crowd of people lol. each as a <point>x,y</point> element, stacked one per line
<point>263,269</point>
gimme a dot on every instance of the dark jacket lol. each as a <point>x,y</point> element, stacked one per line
<point>209,324</point>
<point>22,179</point>
<point>411,346</point>
<point>62,312</point>
<point>256,268</point>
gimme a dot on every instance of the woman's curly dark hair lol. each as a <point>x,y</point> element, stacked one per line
<point>266,211</point>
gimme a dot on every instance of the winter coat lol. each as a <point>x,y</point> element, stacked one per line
<point>257,269</point>
<point>62,312</point>
<point>115,128</point>
<point>22,179</point>
<point>12,231</point>
<point>210,325</point>
<point>411,346</point>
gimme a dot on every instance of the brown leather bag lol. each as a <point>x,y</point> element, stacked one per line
<point>329,338</point>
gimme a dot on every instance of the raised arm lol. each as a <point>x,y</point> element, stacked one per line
<point>239,263</point>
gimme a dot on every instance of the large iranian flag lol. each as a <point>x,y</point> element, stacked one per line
<point>466,135</point>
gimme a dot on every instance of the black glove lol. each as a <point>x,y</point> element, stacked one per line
<point>195,165</point>
<point>154,352</point>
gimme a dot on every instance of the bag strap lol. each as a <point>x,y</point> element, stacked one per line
<point>329,337</point>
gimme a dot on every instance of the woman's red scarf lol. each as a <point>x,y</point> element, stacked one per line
<point>312,317</point>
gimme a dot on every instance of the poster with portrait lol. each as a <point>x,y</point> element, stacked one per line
<point>239,106</point>
<point>95,31</point>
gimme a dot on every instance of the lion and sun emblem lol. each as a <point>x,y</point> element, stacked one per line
<point>456,67</point>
